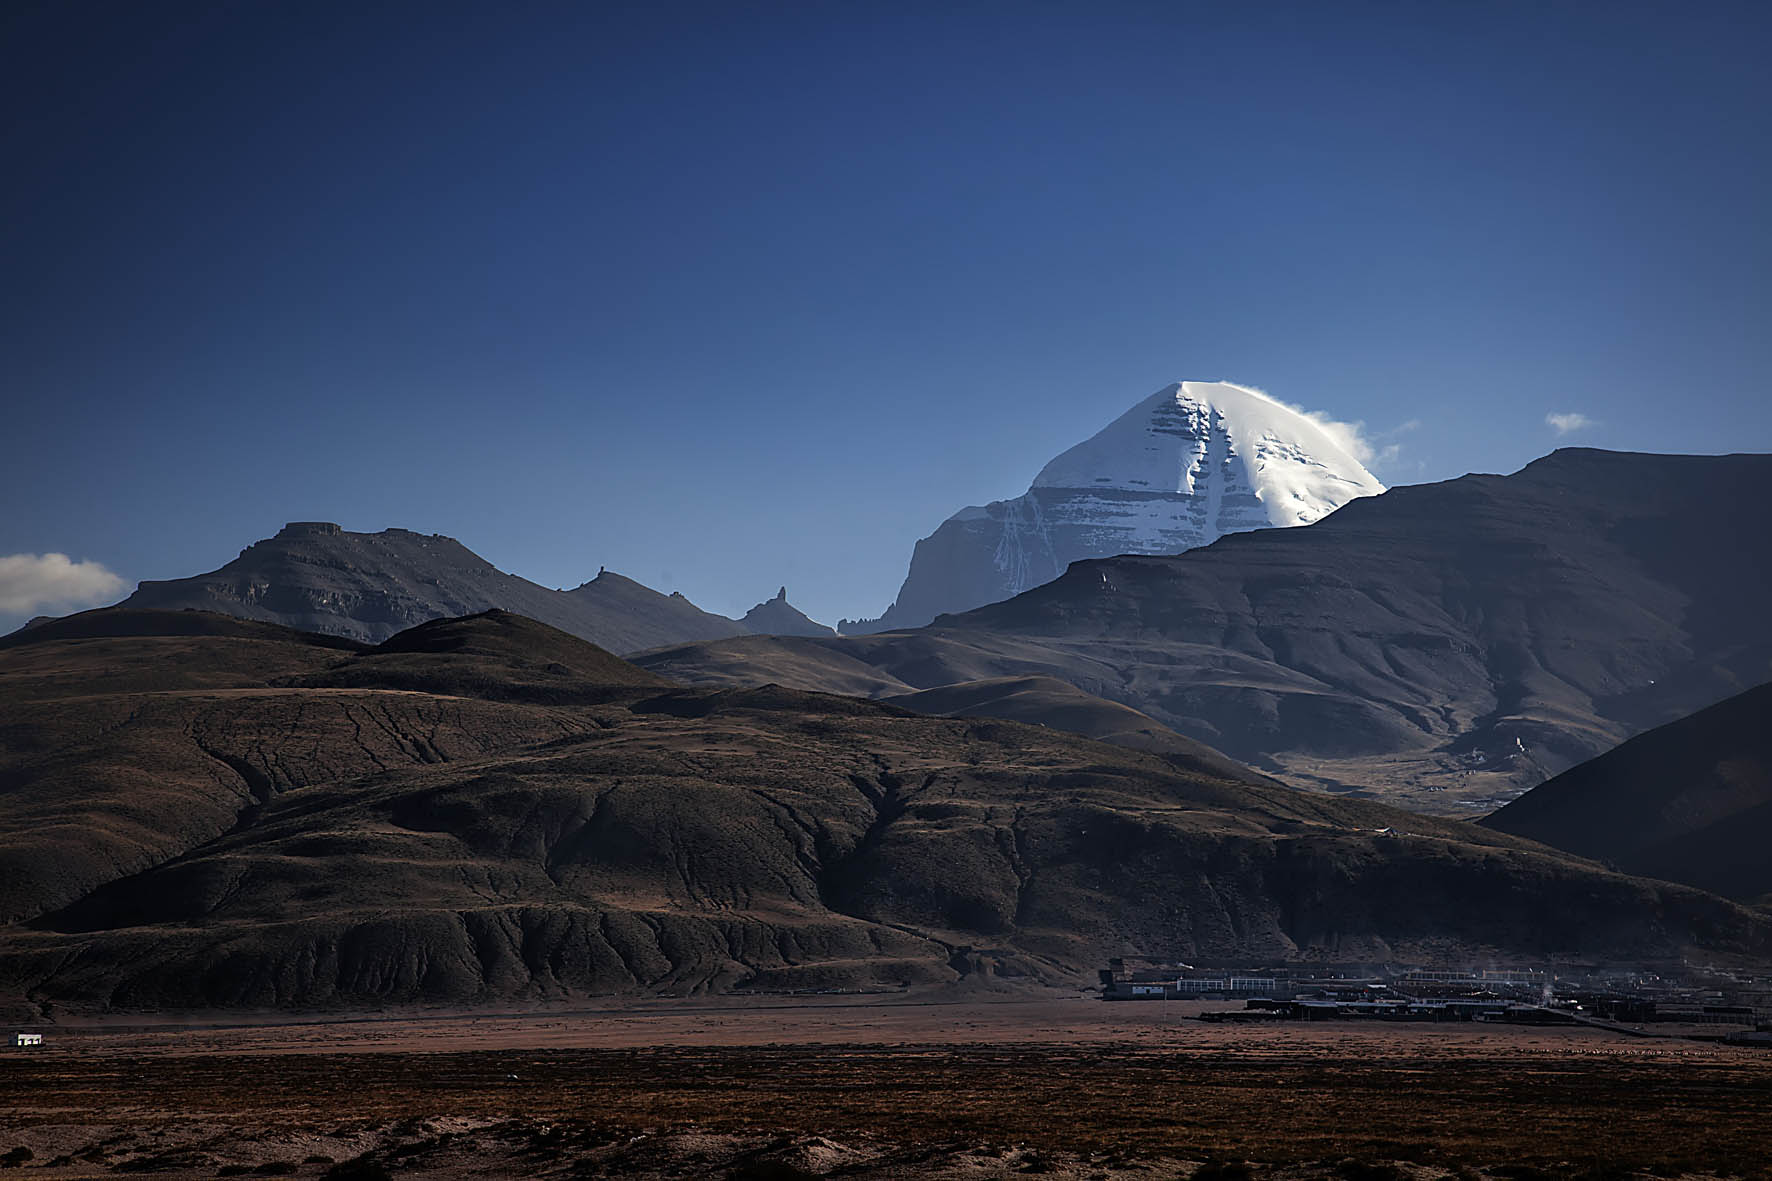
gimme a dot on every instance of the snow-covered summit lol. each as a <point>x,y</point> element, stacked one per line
<point>1224,443</point>
<point>1194,461</point>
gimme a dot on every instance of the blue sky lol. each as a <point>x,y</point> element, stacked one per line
<point>728,296</point>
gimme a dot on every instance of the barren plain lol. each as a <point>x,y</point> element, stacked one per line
<point>866,1087</point>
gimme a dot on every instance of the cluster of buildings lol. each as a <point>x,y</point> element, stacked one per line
<point>1518,995</point>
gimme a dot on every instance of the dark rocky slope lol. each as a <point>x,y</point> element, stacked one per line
<point>1005,683</point>
<point>1445,645</point>
<point>492,656</point>
<point>366,586</point>
<point>119,752</point>
<point>666,619</point>
<point>1690,801</point>
<point>1047,701</point>
<point>108,623</point>
<point>538,821</point>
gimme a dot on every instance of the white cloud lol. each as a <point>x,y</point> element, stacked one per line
<point>1564,423</point>
<point>1391,450</point>
<point>1349,436</point>
<point>32,582</point>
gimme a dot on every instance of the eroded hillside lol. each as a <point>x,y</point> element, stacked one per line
<point>487,809</point>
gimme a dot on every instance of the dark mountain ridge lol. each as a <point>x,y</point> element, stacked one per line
<point>315,576</point>
<point>647,618</point>
<point>1690,802</point>
<point>117,622</point>
<point>1447,645</point>
<point>1048,701</point>
<point>263,823</point>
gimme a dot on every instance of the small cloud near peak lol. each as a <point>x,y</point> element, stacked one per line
<point>1349,436</point>
<point>1387,446</point>
<point>1564,424</point>
<point>31,582</point>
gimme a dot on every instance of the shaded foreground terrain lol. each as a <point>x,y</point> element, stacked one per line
<point>486,808</point>
<point>1061,1089</point>
<point>1690,801</point>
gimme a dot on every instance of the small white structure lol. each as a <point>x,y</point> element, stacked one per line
<point>27,1039</point>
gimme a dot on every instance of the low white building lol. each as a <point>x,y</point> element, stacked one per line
<point>27,1039</point>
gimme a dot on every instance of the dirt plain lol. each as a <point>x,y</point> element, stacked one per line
<point>877,1088</point>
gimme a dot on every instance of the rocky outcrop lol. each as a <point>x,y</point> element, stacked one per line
<point>778,617</point>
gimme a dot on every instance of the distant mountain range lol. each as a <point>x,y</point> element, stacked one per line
<point>1191,463</point>
<point>1445,646</point>
<point>204,812</point>
<point>315,576</point>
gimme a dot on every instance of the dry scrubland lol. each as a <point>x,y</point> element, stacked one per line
<point>962,1090</point>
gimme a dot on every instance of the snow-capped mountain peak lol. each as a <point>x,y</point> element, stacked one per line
<point>1194,461</point>
<point>1224,442</point>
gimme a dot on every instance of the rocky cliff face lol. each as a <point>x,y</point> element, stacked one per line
<point>1189,464</point>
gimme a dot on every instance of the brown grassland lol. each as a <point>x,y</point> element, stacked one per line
<point>801,1089</point>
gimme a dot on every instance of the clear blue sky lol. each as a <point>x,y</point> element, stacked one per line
<point>728,296</point>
